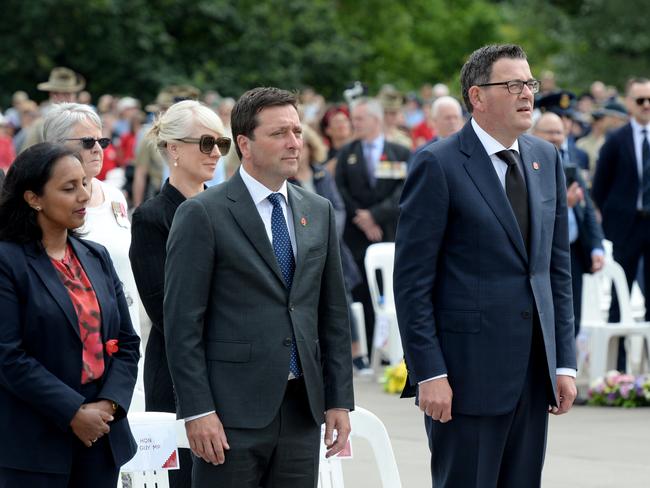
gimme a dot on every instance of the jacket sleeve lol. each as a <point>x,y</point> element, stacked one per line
<point>20,373</point>
<point>420,233</point>
<point>122,371</point>
<point>147,255</point>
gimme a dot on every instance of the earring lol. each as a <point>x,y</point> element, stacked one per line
<point>38,209</point>
<point>176,162</point>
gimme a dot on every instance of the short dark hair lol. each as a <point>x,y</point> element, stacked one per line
<point>243,119</point>
<point>478,67</point>
<point>634,81</point>
<point>30,171</point>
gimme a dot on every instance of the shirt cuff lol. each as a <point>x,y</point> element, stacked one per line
<point>434,378</point>
<point>341,409</point>
<point>194,417</point>
<point>566,372</point>
<point>597,252</point>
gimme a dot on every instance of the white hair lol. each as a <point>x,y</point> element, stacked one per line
<point>445,101</point>
<point>373,105</point>
<point>62,118</point>
<point>180,119</point>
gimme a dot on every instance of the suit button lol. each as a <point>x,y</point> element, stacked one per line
<point>287,341</point>
<point>291,307</point>
<point>525,314</point>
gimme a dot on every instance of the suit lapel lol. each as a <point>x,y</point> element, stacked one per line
<point>300,209</point>
<point>481,171</point>
<point>40,262</point>
<point>98,279</point>
<point>532,175</point>
<point>248,218</point>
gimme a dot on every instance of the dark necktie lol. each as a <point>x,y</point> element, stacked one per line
<point>516,191</point>
<point>284,254</point>
<point>645,159</point>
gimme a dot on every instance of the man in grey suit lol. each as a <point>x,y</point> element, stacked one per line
<point>256,315</point>
<point>483,284</point>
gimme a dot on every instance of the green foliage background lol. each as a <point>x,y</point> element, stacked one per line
<point>137,46</point>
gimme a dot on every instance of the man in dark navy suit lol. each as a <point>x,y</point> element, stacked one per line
<point>585,233</point>
<point>621,189</point>
<point>483,284</point>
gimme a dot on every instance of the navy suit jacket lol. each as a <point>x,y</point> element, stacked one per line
<point>615,188</point>
<point>40,357</point>
<point>466,288</point>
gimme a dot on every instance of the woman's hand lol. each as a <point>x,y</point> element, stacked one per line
<point>90,423</point>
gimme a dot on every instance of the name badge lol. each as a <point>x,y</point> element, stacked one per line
<point>391,170</point>
<point>119,212</point>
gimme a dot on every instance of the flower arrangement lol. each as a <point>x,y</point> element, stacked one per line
<point>620,390</point>
<point>395,378</point>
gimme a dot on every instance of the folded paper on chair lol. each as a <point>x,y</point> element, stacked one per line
<point>157,447</point>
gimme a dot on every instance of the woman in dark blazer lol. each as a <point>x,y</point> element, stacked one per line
<point>68,352</point>
<point>191,137</point>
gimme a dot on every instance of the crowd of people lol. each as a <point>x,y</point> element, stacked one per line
<point>104,210</point>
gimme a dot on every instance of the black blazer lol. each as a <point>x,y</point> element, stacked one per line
<point>615,188</point>
<point>40,357</point>
<point>382,201</point>
<point>149,231</point>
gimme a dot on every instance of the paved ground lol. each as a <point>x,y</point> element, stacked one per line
<point>591,447</point>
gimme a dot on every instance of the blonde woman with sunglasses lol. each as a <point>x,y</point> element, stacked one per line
<point>78,127</point>
<point>191,137</point>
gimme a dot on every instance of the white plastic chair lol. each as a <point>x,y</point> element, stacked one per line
<point>365,425</point>
<point>360,324</point>
<point>379,259</point>
<point>155,478</point>
<point>603,347</point>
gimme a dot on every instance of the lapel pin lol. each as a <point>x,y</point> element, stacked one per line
<point>535,165</point>
<point>303,221</point>
<point>352,159</point>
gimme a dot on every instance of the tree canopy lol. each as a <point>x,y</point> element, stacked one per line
<point>137,46</point>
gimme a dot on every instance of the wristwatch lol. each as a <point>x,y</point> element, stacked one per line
<point>113,406</point>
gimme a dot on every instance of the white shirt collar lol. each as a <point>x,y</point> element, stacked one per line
<point>637,128</point>
<point>491,145</point>
<point>258,191</point>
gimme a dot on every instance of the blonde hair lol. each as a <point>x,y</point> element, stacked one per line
<point>311,139</point>
<point>180,119</point>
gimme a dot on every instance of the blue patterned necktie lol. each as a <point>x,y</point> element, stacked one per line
<point>284,254</point>
<point>645,160</point>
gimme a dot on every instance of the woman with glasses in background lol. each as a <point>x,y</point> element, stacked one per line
<point>79,128</point>
<point>190,136</point>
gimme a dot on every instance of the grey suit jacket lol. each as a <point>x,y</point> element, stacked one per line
<point>466,287</point>
<point>228,316</point>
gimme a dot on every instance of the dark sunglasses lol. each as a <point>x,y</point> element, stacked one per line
<point>206,143</point>
<point>89,142</point>
<point>641,100</point>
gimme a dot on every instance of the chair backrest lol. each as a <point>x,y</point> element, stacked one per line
<point>156,478</point>
<point>380,258</point>
<point>614,272</point>
<point>365,425</point>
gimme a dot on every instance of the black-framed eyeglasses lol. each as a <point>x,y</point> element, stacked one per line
<point>516,86</point>
<point>206,143</point>
<point>641,100</point>
<point>89,142</point>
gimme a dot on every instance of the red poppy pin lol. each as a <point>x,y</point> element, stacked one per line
<point>383,157</point>
<point>303,221</point>
<point>111,347</point>
<point>535,165</point>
